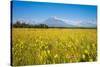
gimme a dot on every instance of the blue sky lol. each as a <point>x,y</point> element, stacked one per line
<point>39,11</point>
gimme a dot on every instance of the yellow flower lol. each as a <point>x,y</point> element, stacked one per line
<point>86,51</point>
<point>56,56</point>
<point>83,56</point>
<point>48,51</point>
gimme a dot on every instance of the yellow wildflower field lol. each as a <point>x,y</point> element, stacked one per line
<point>53,46</point>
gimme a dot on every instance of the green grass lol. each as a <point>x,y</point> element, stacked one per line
<point>53,46</point>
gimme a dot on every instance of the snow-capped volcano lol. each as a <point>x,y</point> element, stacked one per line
<point>56,22</point>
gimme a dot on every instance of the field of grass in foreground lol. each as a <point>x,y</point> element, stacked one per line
<point>53,46</point>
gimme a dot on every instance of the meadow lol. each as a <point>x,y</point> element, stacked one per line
<point>53,46</point>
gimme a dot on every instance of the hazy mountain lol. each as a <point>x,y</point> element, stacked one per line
<point>87,24</point>
<point>56,22</point>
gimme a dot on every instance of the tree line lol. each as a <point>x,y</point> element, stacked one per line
<point>18,24</point>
